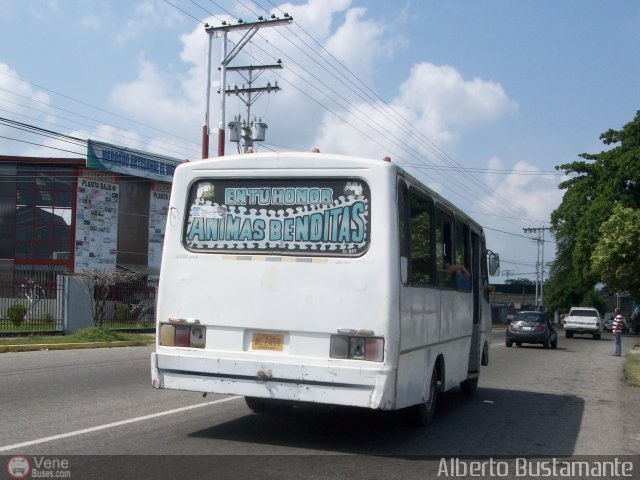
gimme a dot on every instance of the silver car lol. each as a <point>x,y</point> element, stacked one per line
<point>531,327</point>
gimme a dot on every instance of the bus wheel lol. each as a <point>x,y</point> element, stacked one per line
<point>485,355</point>
<point>424,411</point>
<point>258,405</point>
<point>263,405</point>
<point>469,386</point>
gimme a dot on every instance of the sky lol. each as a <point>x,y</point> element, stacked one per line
<point>479,99</point>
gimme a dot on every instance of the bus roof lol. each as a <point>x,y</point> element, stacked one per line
<point>315,161</point>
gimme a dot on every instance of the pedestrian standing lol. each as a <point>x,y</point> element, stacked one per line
<point>617,331</point>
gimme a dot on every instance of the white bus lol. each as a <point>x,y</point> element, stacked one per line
<point>305,277</point>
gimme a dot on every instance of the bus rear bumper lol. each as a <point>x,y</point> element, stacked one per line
<point>336,385</point>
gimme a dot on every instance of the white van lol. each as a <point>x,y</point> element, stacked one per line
<point>584,320</point>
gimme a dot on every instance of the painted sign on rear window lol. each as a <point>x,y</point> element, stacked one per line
<point>305,216</point>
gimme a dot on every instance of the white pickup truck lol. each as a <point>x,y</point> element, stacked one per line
<point>585,320</point>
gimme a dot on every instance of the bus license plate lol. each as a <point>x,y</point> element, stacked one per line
<point>267,341</point>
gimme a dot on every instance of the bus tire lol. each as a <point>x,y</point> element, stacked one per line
<point>424,411</point>
<point>263,405</point>
<point>258,405</point>
<point>485,355</point>
<point>469,386</point>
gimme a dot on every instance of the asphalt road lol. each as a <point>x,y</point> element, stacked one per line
<point>530,402</point>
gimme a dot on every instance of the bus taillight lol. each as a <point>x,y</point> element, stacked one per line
<point>182,335</point>
<point>357,347</point>
<point>374,349</point>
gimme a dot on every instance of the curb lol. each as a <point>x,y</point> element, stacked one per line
<point>71,346</point>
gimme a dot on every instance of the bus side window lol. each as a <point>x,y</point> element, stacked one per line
<point>403,230</point>
<point>484,271</point>
<point>462,256</point>
<point>444,248</point>
<point>421,216</point>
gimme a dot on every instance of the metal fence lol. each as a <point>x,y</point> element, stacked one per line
<point>31,298</point>
<point>131,305</point>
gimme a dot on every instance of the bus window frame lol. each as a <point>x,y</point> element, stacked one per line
<point>463,254</point>
<point>277,253</point>
<point>430,264</point>
<point>444,258</point>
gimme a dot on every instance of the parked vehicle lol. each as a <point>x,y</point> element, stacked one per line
<point>607,321</point>
<point>583,320</point>
<point>608,324</point>
<point>634,324</point>
<point>531,327</point>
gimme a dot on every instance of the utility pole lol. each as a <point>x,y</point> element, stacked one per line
<point>226,58</point>
<point>508,273</point>
<point>539,262</point>
<point>248,126</point>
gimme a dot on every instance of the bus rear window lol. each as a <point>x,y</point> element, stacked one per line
<point>301,216</point>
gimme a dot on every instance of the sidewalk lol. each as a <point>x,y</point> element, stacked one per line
<point>34,347</point>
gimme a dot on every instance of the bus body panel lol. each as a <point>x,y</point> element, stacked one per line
<point>432,323</point>
<point>306,300</point>
<point>336,383</point>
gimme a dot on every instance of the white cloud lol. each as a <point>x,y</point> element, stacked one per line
<point>296,111</point>
<point>23,103</point>
<point>158,99</point>
<point>147,15</point>
<point>12,85</point>
<point>434,100</point>
<point>315,16</point>
<point>443,97</point>
<point>535,194</point>
<point>358,43</point>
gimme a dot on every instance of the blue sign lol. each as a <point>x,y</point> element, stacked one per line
<point>103,156</point>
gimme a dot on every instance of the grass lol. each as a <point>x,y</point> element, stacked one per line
<point>86,335</point>
<point>632,369</point>
<point>31,326</point>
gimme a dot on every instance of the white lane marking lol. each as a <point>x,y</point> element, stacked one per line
<point>114,424</point>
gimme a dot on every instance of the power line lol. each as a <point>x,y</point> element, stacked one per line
<point>80,102</point>
<point>423,140</point>
<point>395,141</point>
<point>95,135</point>
<point>55,135</point>
<point>404,122</point>
<point>428,169</point>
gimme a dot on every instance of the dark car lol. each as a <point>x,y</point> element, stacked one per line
<point>531,327</point>
<point>608,324</point>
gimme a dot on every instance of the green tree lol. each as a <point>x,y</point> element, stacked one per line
<point>616,256</point>
<point>597,184</point>
<point>519,281</point>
